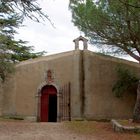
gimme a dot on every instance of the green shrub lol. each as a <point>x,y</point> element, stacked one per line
<point>126,80</point>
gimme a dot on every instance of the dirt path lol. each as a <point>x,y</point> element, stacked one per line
<point>84,130</point>
<point>38,131</point>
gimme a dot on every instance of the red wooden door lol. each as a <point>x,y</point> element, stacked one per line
<point>44,109</point>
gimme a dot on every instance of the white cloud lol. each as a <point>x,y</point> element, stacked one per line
<point>44,36</point>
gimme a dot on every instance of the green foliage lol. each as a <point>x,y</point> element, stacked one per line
<point>24,8</point>
<point>126,80</point>
<point>11,17</point>
<point>5,68</point>
<point>109,23</point>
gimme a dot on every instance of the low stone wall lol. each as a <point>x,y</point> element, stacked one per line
<point>120,128</point>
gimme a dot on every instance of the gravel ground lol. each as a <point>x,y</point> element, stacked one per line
<point>20,130</point>
<point>38,131</point>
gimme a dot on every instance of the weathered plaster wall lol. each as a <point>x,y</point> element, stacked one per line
<point>76,90</point>
<point>91,76</point>
<point>9,95</point>
<point>100,76</point>
<point>21,90</point>
<point>1,98</point>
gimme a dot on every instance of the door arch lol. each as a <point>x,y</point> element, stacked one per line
<point>48,106</point>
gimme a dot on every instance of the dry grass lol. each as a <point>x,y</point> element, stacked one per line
<point>11,119</point>
<point>101,130</point>
<point>128,123</point>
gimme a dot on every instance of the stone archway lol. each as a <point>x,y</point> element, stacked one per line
<point>49,82</point>
<point>84,40</point>
<point>48,104</point>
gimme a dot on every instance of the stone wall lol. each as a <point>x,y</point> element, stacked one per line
<point>91,76</point>
<point>22,88</point>
<point>100,76</point>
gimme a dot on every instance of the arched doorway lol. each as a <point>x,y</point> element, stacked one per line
<point>48,106</point>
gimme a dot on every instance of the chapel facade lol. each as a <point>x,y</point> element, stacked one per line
<point>74,85</point>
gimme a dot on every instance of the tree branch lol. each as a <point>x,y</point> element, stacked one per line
<point>134,6</point>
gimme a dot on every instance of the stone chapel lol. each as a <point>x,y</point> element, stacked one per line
<point>74,85</point>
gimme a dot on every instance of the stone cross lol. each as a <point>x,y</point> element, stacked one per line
<point>80,38</point>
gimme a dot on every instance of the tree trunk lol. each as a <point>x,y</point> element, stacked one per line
<point>136,115</point>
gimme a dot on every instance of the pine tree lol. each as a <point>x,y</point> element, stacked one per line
<point>110,24</point>
<point>11,50</point>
